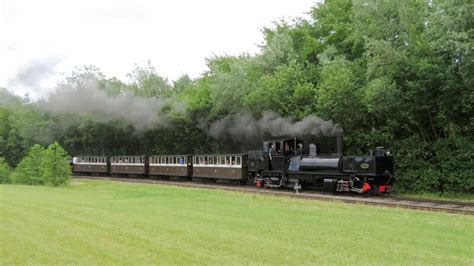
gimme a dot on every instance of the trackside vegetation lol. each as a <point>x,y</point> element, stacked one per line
<point>397,74</point>
<point>5,172</point>
<point>101,222</point>
<point>42,166</point>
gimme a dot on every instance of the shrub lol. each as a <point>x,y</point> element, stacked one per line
<point>44,166</point>
<point>29,170</point>
<point>444,165</point>
<point>4,172</point>
<point>56,169</point>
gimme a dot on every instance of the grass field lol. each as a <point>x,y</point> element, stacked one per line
<point>101,222</point>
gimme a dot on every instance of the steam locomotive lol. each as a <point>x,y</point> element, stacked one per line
<point>280,163</point>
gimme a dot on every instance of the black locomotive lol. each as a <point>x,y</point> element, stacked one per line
<point>280,163</point>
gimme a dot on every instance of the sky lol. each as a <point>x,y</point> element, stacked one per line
<point>41,42</point>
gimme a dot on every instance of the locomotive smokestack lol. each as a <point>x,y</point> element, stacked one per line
<point>339,144</point>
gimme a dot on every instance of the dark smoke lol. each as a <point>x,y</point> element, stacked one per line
<point>245,128</point>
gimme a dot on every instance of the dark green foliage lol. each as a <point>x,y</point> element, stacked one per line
<point>5,172</point>
<point>442,166</point>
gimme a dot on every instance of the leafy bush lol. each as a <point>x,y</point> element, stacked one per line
<point>444,165</point>
<point>4,172</point>
<point>29,170</point>
<point>44,166</point>
<point>56,169</point>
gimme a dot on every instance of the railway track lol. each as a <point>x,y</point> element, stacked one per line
<point>450,206</point>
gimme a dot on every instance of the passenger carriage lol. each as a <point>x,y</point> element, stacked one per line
<point>128,165</point>
<point>171,165</point>
<point>224,166</point>
<point>90,164</point>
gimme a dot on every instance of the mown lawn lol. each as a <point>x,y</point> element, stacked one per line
<point>101,222</point>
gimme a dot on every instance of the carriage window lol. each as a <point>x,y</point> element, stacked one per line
<point>238,160</point>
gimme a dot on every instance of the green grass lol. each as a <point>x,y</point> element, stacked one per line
<point>437,196</point>
<point>100,222</point>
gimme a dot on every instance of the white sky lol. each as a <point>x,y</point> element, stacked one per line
<point>40,39</point>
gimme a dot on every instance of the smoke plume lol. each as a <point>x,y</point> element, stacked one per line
<point>88,99</point>
<point>245,128</point>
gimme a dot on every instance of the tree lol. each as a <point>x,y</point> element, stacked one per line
<point>147,83</point>
<point>29,170</point>
<point>5,172</point>
<point>56,169</point>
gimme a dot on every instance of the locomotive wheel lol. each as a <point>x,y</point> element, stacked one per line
<point>250,179</point>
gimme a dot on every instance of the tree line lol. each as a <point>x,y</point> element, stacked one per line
<point>392,73</point>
